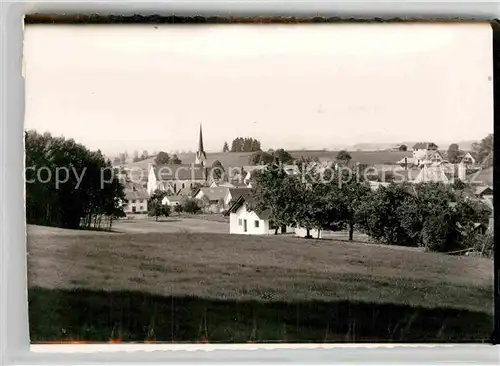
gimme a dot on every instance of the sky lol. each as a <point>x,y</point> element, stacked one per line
<point>147,87</point>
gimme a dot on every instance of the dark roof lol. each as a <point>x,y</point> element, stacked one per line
<point>236,192</point>
<point>247,198</point>
<point>424,145</point>
<point>180,172</point>
<point>136,194</point>
<point>174,198</point>
<point>481,190</point>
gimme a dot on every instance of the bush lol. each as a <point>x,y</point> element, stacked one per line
<point>191,205</point>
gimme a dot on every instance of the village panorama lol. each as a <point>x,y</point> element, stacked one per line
<point>179,224</point>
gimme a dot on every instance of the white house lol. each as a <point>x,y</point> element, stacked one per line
<point>246,222</point>
<point>426,153</point>
<point>175,179</point>
<point>467,159</point>
<point>171,201</point>
<point>137,199</point>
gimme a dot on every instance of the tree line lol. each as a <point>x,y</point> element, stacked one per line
<point>68,185</point>
<point>243,144</point>
<point>429,215</point>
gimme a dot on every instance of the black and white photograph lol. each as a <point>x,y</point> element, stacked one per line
<point>259,183</point>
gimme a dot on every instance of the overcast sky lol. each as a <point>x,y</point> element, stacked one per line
<point>149,87</point>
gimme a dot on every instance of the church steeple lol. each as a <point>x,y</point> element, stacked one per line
<point>201,156</point>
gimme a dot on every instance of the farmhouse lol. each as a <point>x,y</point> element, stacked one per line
<point>213,198</point>
<point>137,199</point>
<point>171,201</point>
<point>467,159</point>
<point>244,221</point>
<point>234,193</point>
<point>425,153</point>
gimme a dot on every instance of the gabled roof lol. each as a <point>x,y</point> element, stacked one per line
<point>236,192</point>
<point>174,198</point>
<point>431,174</point>
<point>247,198</point>
<point>424,145</point>
<point>481,190</point>
<point>136,194</point>
<point>179,172</point>
<point>213,193</point>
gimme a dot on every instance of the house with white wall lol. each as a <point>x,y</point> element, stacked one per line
<point>244,221</point>
<point>467,159</point>
<point>171,201</point>
<point>425,153</point>
<point>137,199</point>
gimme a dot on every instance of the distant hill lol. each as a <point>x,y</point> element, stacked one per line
<point>231,159</point>
<point>377,146</point>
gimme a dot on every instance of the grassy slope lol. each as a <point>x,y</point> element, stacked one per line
<point>281,281</point>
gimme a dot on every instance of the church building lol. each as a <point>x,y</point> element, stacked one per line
<point>179,179</point>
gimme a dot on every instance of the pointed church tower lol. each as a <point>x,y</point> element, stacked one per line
<point>201,156</point>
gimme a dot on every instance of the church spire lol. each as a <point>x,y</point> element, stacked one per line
<point>201,156</point>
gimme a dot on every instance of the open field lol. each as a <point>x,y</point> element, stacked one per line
<point>179,286</point>
<point>171,225</point>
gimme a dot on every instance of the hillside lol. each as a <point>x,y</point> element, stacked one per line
<point>244,288</point>
<point>231,159</point>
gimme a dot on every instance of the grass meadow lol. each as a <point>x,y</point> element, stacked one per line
<point>186,286</point>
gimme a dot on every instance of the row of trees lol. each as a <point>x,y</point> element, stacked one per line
<point>163,158</point>
<point>269,157</point>
<point>243,144</point>
<point>483,149</point>
<point>426,215</point>
<point>68,185</point>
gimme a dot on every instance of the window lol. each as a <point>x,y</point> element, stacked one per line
<point>133,201</point>
<point>133,209</point>
<point>239,222</point>
<point>182,185</point>
<point>142,208</point>
<point>256,223</point>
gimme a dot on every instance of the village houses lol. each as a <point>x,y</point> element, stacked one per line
<point>179,179</point>
<point>137,199</point>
